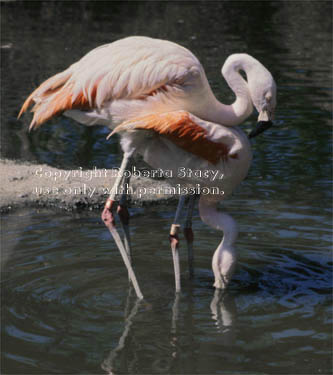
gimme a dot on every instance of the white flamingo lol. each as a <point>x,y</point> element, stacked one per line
<point>156,95</point>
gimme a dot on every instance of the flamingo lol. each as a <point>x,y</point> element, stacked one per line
<point>155,94</point>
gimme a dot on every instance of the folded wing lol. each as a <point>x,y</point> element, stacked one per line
<point>183,129</point>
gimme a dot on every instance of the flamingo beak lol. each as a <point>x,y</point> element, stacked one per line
<point>264,123</point>
<point>260,127</point>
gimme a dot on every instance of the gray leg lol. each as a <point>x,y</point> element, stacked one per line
<point>188,233</point>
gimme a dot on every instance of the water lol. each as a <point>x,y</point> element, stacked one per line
<point>66,304</point>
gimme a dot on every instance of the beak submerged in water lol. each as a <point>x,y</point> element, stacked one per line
<point>264,123</point>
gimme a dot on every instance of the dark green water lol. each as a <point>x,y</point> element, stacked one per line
<point>66,304</point>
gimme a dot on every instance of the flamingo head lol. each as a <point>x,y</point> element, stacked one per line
<point>263,94</point>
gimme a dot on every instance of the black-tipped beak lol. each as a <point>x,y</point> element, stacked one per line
<point>260,127</point>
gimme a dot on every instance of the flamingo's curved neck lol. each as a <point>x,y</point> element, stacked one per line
<point>218,220</point>
<point>237,112</point>
<point>225,256</point>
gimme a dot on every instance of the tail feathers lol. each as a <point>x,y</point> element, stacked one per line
<point>53,97</point>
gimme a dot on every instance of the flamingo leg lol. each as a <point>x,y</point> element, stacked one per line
<point>124,216</point>
<point>174,241</point>
<point>188,233</point>
<point>109,221</point>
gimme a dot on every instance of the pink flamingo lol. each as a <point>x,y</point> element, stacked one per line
<point>155,94</point>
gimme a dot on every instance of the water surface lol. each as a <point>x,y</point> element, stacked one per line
<point>66,304</point>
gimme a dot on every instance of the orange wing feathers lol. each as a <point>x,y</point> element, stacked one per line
<point>53,97</point>
<point>179,128</point>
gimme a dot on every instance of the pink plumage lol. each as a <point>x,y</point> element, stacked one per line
<point>155,94</point>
